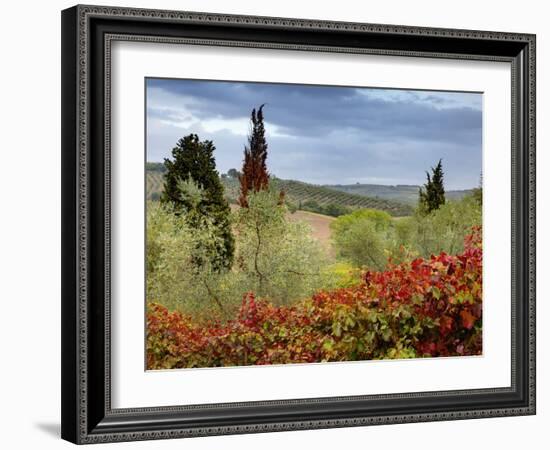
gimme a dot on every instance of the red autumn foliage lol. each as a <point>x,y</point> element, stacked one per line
<point>425,308</point>
<point>254,176</point>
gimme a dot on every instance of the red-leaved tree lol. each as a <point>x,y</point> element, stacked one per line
<point>254,176</point>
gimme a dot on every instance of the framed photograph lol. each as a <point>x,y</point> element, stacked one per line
<point>279,224</point>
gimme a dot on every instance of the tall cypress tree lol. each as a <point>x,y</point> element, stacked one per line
<point>193,161</point>
<point>254,176</point>
<point>477,192</point>
<point>432,195</point>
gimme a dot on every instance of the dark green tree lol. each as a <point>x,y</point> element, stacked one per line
<point>233,173</point>
<point>193,162</point>
<point>432,195</point>
<point>477,192</point>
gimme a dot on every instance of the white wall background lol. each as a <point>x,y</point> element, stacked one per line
<point>30,222</point>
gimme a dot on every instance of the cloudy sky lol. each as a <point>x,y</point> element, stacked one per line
<point>324,135</point>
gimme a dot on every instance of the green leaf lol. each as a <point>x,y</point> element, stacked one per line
<point>386,334</point>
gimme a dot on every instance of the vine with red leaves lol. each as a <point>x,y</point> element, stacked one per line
<point>423,308</point>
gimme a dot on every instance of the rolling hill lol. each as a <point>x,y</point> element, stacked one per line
<point>403,193</point>
<point>296,192</point>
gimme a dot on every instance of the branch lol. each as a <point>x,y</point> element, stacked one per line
<point>256,254</point>
<point>302,274</point>
<point>216,299</point>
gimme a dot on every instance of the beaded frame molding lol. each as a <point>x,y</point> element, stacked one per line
<point>87,35</point>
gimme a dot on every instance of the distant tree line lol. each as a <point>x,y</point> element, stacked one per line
<point>155,167</point>
<point>331,209</point>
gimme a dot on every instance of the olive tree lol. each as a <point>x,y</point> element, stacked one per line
<point>364,237</point>
<point>182,272</point>
<point>278,259</point>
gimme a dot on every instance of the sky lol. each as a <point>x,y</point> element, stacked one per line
<point>324,134</point>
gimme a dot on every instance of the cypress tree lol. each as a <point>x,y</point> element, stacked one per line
<point>477,192</point>
<point>432,195</point>
<point>193,161</point>
<point>254,176</point>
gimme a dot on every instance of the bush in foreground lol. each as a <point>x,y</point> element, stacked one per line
<point>271,254</point>
<point>428,307</point>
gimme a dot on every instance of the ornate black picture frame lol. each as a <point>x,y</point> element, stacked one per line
<point>87,34</point>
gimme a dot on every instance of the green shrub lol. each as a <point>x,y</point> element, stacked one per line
<point>364,237</point>
<point>368,238</point>
<point>363,245</point>
<point>442,230</point>
<point>343,274</point>
<point>329,209</point>
<point>381,220</point>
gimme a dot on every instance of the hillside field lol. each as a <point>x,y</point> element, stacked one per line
<point>403,193</point>
<point>296,192</point>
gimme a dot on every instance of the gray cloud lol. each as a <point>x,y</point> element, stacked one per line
<point>325,134</point>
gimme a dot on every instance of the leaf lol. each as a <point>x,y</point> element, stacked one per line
<point>386,334</point>
<point>417,299</point>
<point>468,319</point>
